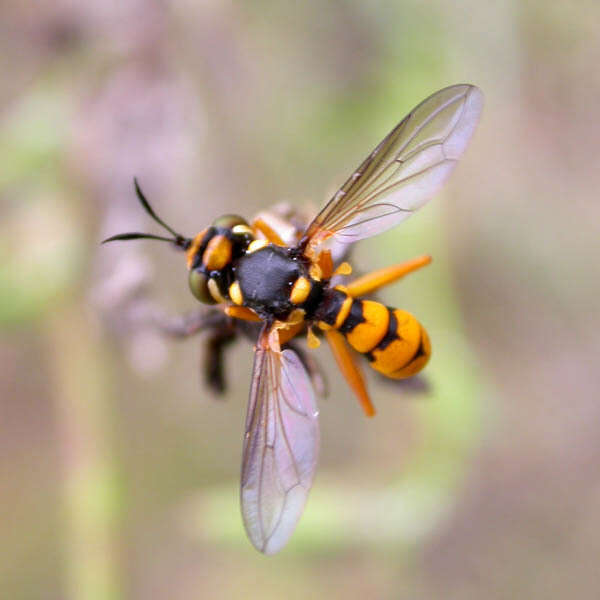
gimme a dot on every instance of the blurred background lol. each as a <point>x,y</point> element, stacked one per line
<point>119,471</point>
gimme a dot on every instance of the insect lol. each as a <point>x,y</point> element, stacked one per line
<point>289,289</point>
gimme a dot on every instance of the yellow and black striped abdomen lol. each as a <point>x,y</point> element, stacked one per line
<point>404,350</point>
<point>395,343</point>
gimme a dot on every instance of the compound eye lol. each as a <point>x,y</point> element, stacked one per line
<point>199,287</point>
<point>229,221</point>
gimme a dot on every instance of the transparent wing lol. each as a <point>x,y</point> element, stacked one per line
<point>408,167</point>
<point>281,445</point>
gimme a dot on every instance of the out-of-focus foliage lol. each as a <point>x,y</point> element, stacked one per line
<point>119,471</point>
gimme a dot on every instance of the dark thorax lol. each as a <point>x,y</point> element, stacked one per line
<point>267,278</point>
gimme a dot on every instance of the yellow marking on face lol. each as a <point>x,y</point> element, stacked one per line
<point>235,293</point>
<point>193,249</point>
<point>366,335</point>
<point>215,292</point>
<point>217,254</point>
<point>256,245</point>
<point>300,290</point>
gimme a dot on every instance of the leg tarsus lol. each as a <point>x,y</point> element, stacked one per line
<point>214,357</point>
<point>186,325</point>
<point>221,332</point>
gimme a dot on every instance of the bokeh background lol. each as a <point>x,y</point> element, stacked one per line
<point>119,470</point>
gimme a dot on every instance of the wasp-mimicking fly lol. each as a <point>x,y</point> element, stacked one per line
<point>255,276</point>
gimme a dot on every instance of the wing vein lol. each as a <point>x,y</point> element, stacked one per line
<point>428,141</point>
<point>280,451</point>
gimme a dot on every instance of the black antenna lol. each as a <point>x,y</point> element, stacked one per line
<point>179,240</point>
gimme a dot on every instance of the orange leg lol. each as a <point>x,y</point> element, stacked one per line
<point>241,312</point>
<point>350,369</point>
<point>288,333</point>
<point>325,263</point>
<point>373,281</point>
<point>269,233</point>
